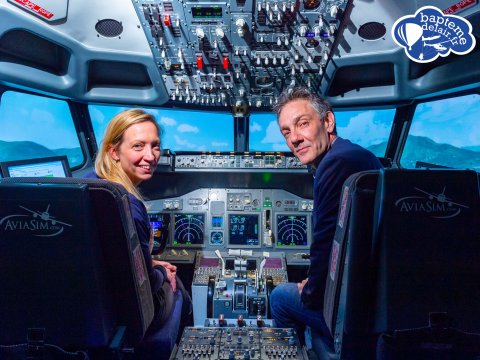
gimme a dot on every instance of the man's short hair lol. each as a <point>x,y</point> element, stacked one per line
<point>320,105</point>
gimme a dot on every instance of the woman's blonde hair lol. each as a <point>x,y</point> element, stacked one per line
<point>106,167</point>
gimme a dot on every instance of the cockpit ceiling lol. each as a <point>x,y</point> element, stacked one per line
<point>230,56</point>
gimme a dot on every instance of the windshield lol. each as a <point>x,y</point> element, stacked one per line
<point>369,129</point>
<point>183,130</point>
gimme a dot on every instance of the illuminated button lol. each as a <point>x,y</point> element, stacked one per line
<point>199,62</point>
<point>167,21</point>
<point>225,62</point>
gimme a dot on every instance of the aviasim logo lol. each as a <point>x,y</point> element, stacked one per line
<point>429,33</point>
<point>39,223</point>
<point>438,205</point>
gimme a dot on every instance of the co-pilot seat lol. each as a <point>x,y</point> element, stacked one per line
<point>408,255</point>
<point>72,272</point>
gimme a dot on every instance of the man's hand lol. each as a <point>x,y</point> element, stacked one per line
<point>300,286</point>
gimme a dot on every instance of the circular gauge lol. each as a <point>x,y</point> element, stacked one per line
<point>216,238</point>
<point>189,229</point>
<point>264,81</point>
<point>292,230</point>
<point>312,43</point>
<point>311,4</point>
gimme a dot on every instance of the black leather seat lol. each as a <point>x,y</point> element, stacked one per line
<point>351,266</point>
<point>409,252</point>
<point>71,264</point>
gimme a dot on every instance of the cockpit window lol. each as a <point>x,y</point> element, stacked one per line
<point>37,126</point>
<point>265,134</point>
<point>444,133</point>
<point>369,129</point>
<point>183,130</point>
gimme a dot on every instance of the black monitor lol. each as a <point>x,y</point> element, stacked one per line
<point>160,223</point>
<point>189,229</point>
<point>54,166</point>
<point>292,230</point>
<point>244,230</point>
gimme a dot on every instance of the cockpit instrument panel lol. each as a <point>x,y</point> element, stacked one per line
<point>222,218</point>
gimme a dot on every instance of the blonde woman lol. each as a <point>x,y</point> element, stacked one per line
<point>129,155</point>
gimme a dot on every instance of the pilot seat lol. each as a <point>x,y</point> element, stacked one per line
<point>404,267</point>
<point>72,274</point>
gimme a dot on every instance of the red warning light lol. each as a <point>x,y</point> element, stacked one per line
<point>167,20</point>
<point>225,62</point>
<point>199,62</point>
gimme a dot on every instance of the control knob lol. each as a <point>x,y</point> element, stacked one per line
<point>200,33</point>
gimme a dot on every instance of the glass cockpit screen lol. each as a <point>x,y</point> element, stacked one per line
<point>160,223</point>
<point>292,230</point>
<point>243,229</point>
<point>189,229</point>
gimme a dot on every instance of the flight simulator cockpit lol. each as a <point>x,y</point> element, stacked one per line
<point>238,242</point>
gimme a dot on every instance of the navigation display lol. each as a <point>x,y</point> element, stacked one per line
<point>243,230</point>
<point>292,230</point>
<point>189,229</point>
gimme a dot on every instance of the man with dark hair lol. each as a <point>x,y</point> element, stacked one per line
<point>308,124</point>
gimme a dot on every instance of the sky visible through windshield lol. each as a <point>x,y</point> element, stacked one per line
<point>48,123</point>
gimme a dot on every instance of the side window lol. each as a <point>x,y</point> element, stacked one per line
<point>36,126</point>
<point>444,133</point>
<point>368,128</point>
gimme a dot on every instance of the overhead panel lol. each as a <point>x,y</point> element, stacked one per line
<point>243,53</point>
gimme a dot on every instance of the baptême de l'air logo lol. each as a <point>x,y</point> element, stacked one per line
<point>429,33</point>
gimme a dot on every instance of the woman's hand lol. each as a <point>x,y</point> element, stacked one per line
<point>165,264</point>
<point>171,271</point>
<point>172,279</point>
